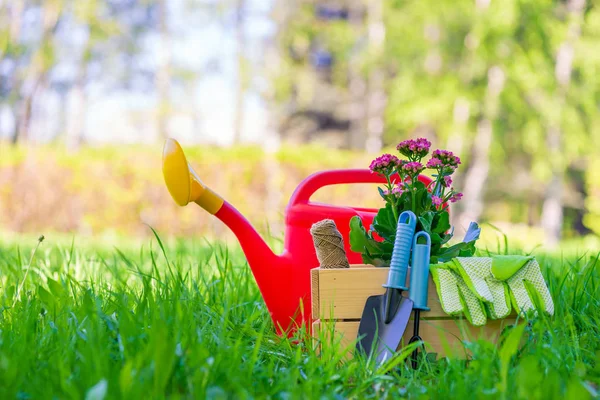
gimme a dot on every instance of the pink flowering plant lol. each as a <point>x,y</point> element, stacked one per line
<point>405,190</point>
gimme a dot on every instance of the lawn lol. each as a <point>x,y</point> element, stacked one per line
<point>136,322</point>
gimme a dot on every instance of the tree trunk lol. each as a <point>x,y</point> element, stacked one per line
<point>456,139</point>
<point>163,76</point>
<point>552,209</point>
<point>376,96</point>
<point>76,124</point>
<point>274,177</point>
<point>16,15</point>
<point>25,111</point>
<point>477,174</point>
<point>357,92</point>
<point>37,72</point>
<point>17,7</point>
<point>240,35</point>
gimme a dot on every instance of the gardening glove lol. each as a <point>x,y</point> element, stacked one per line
<point>524,278</point>
<point>497,282</point>
<point>455,296</point>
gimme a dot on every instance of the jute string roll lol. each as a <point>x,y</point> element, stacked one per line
<point>329,244</point>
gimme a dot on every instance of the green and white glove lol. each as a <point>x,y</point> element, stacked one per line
<point>490,286</point>
<point>455,296</point>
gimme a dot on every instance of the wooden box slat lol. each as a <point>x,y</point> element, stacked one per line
<point>338,298</point>
<point>444,337</point>
<point>342,293</point>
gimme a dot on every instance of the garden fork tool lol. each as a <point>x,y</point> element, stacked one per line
<point>419,282</point>
<point>385,317</point>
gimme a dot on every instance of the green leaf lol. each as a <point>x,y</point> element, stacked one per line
<point>378,260</point>
<point>358,235</point>
<point>426,220</point>
<point>420,197</point>
<point>446,238</point>
<point>164,358</point>
<point>468,250</point>
<point>55,288</point>
<point>443,223</point>
<point>435,238</point>
<point>384,223</point>
<point>508,350</point>
<point>98,391</point>
<point>361,241</point>
<point>10,292</point>
<point>89,303</point>
<point>45,296</point>
<point>404,202</point>
<point>448,253</point>
<point>576,389</point>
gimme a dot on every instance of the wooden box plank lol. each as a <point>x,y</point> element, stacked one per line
<point>338,297</point>
<point>444,337</point>
<point>342,293</point>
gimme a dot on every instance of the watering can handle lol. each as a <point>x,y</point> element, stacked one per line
<point>318,180</point>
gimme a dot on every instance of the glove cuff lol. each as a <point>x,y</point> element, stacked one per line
<point>504,267</point>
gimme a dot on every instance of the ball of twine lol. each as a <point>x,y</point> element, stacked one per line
<point>329,244</point>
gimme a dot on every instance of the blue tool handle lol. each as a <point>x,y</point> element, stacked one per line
<point>419,273</point>
<point>407,222</point>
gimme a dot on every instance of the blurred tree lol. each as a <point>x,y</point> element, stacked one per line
<point>491,38</point>
<point>376,96</point>
<point>242,73</point>
<point>11,49</point>
<point>163,75</point>
<point>92,15</point>
<point>552,211</point>
<point>41,59</point>
<point>444,59</point>
<point>512,85</point>
<point>318,44</point>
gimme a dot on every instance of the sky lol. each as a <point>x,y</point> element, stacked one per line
<point>204,111</point>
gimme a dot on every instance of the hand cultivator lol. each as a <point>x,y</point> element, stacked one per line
<point>358,273</point>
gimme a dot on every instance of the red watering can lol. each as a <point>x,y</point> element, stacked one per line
<point>283,280</point>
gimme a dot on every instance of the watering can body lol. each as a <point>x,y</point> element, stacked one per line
<point>283,280</point>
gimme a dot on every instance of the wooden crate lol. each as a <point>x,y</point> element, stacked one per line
<point>338,297</point>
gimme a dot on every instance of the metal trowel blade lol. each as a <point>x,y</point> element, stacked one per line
<point>377,336</point>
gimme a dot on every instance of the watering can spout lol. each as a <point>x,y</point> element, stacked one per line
<point>186,187</point>
<point>183,183</point>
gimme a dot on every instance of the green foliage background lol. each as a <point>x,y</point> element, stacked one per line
<point>531,68</point>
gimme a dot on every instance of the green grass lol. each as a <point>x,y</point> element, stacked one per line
<point>125,323</point>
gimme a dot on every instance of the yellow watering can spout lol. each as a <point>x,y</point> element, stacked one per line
<point>183,183</point>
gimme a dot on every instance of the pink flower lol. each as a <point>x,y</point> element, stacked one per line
<point>456,197</point>
<point>447,181</point>
<point>414,149</point>
<point>384,164</point>
<point>436,201</point>
<point>397,191</point>
<point>413,168</point>
<point>434,163</point>
<point>447,158</point>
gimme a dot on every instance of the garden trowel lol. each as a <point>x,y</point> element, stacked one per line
<point>385,317</point>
